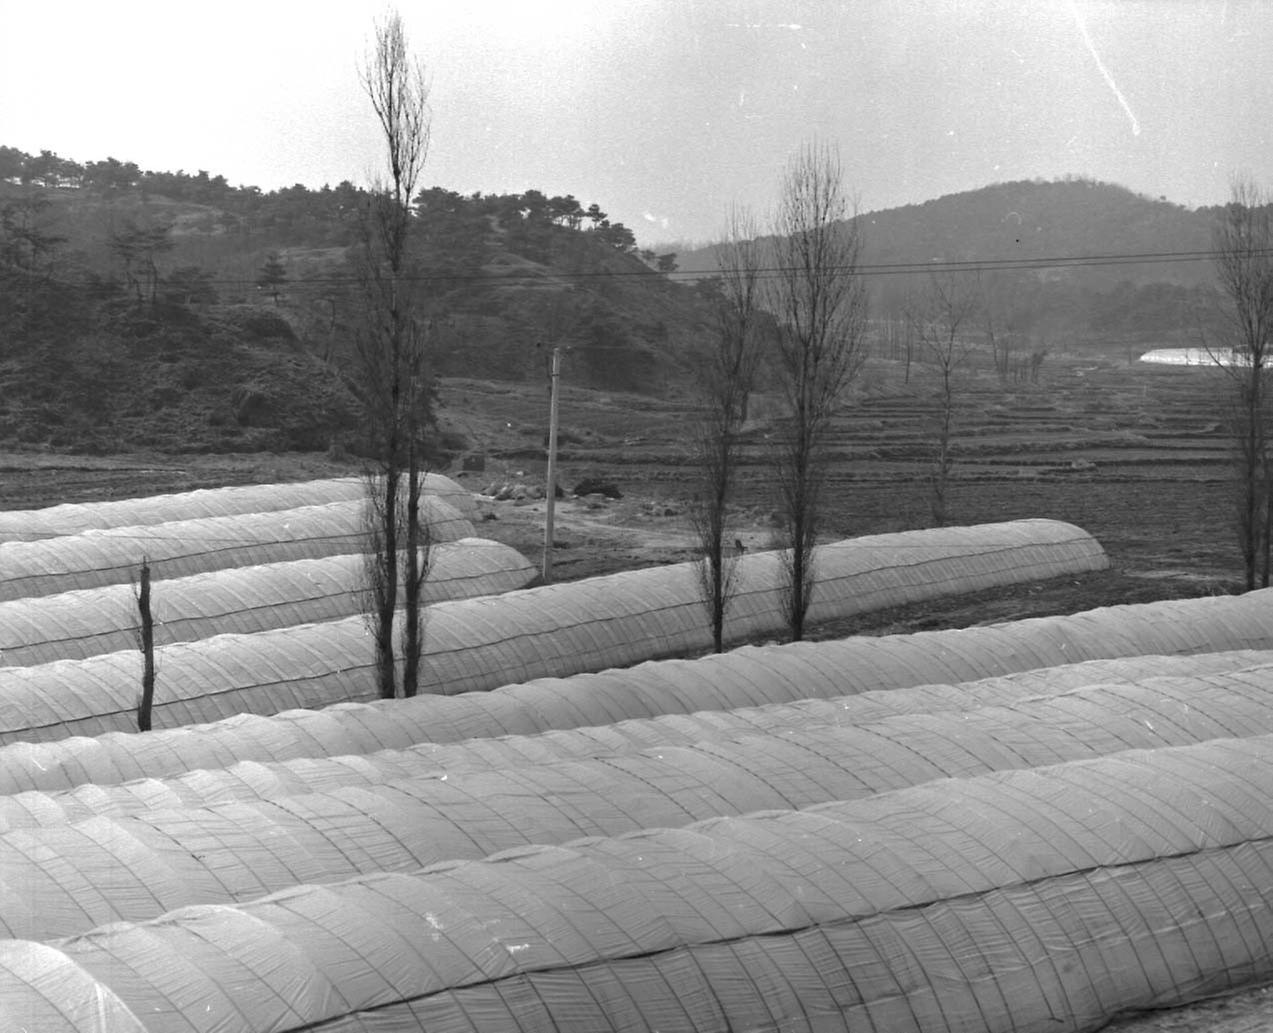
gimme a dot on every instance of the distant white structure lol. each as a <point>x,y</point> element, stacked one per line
<point>1189,357</point>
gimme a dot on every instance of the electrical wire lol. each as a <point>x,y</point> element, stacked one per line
<point>867,269</point>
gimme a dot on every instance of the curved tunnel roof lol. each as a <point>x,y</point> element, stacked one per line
<point>180,548</point>
<point>1054,896</point>
<point>17,525</point>
<point>751,676</point>
<point>225,852</point>
<point>804,752</point>
<point>483,643</point>
<point>1183,683</point>
<point>93,621</point>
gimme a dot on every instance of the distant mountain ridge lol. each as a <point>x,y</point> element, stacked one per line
<point>1031,220</point>
<point>1067,253</point>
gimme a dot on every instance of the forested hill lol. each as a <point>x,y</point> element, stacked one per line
<point>1036,221</point>
<point>176,310</point>
<point>1041,222</point>
<point>1064,248</point>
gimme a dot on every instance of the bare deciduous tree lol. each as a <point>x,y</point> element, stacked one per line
<point>1243,246</point>
<point>391,350</point>
<point>941,319</point>
<point>724,376</point>
<point>1001,323</point>
<point>897,342</point>
<point>820,301</point>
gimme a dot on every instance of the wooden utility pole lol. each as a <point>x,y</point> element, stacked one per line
<point>551,487</point>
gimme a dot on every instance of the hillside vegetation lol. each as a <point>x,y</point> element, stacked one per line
<point>174,311</point>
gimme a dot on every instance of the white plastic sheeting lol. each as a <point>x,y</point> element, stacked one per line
<point>483,643</point>
<point>1049,898</point>
<point>18,525</point>
<point>113,555</point>
<point>230,851</point>
<point>237,851</point>
<point>640,615</point>
<point>75,625</point>
<point>876,737</point>
<point>751,676</point>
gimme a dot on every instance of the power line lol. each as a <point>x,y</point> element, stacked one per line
<point>1004,264</point>
<point>864,269</point>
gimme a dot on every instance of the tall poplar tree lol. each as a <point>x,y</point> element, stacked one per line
<point>391,349</point>
<point>724,377</point>
<point>820,302</point>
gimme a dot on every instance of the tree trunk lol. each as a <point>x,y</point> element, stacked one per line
<point>386,589</point>
<point>147,698</point>
<point>413,576</point>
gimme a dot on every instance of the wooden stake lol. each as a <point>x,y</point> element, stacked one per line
<point>551,489</point>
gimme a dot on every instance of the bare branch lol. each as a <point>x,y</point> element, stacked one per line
<point>395,84</point>
<point>941,320</point>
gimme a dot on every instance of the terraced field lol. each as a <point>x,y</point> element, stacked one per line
<point>1136,454</point>
<point>1133,452</point>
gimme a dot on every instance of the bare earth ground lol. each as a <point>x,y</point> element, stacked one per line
<point>1133,455</point>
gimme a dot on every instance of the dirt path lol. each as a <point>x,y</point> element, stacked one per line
<point>591,538</point>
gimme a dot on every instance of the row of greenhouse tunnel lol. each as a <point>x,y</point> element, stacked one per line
<point>587,821</point>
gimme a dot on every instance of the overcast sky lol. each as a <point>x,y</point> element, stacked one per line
<point>661,111</point>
